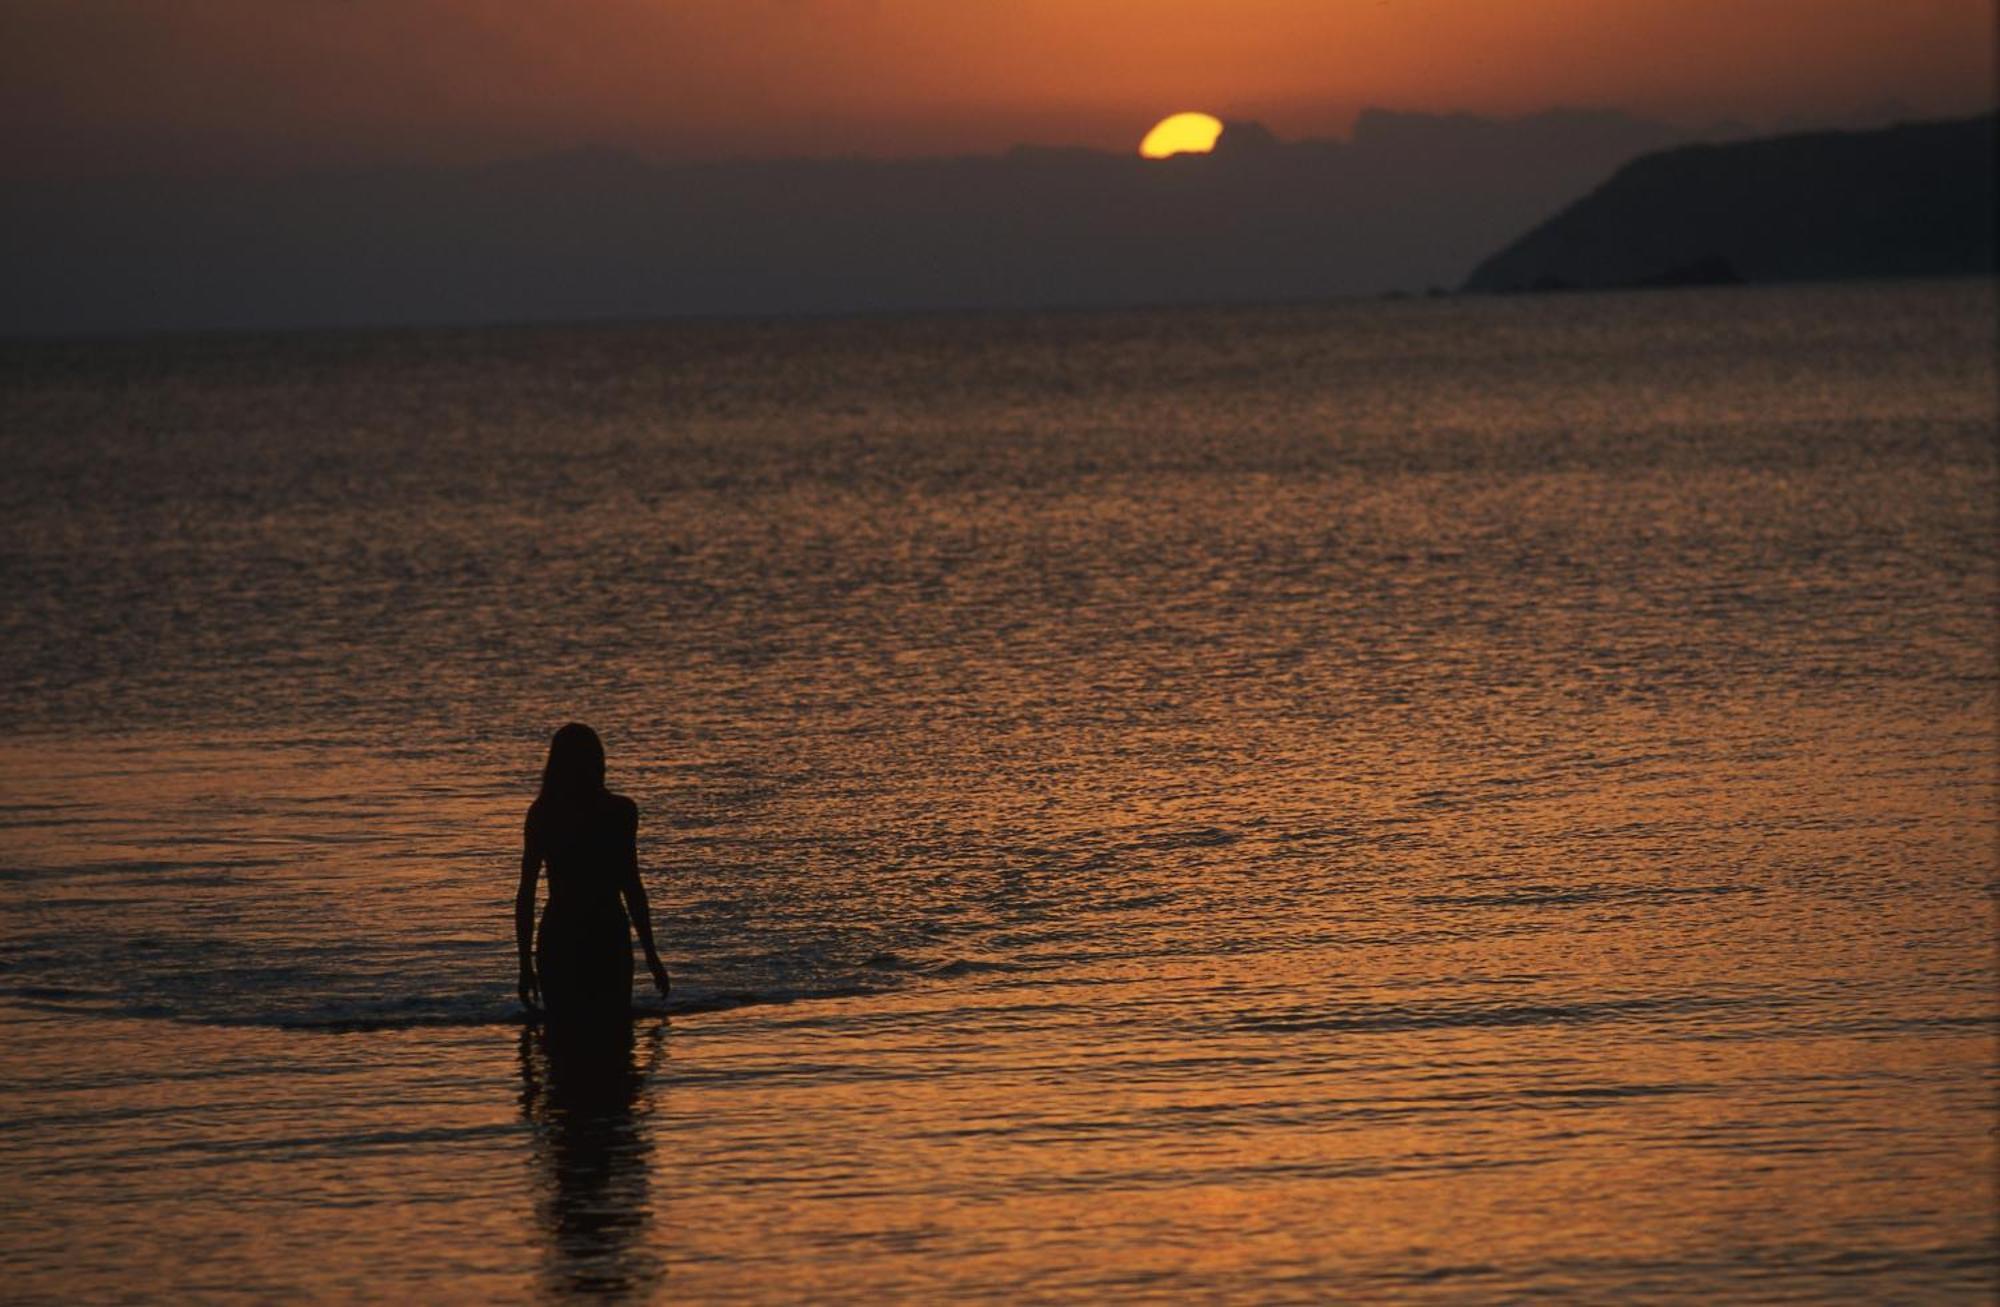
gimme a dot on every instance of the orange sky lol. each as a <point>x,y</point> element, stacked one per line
<point>92,84</point>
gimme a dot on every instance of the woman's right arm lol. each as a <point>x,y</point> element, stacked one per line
<point>524,916</point>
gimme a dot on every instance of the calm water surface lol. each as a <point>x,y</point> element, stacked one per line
<point>1445,801</point>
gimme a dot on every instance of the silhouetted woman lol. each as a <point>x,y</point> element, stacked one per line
<point>580,968</point>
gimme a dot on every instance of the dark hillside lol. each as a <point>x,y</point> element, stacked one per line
<point>1915,200</point>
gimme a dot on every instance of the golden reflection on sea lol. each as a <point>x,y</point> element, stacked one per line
<point>1484,800</point>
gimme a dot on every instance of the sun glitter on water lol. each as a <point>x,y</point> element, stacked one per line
<point>1181,133</point>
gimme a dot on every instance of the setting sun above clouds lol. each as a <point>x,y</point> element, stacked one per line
<point>1181,133</point>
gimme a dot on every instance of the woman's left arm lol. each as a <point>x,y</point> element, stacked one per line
<point>636,905</point>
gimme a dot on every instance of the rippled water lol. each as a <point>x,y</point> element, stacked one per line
<point>1449,800</point>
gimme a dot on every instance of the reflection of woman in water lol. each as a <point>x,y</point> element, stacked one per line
<point>592,1144</point>
<point>581,966</point>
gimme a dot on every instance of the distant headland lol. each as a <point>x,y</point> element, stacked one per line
<point>1913,200</point>
<point>1407,201</point>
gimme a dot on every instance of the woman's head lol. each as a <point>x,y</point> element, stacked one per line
<point>575,768</point>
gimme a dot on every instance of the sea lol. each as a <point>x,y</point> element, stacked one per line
<point>1443,800</point>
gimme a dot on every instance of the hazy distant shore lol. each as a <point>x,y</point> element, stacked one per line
<point>1409,201</point>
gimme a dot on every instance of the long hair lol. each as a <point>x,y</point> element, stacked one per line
<point>575,769</point>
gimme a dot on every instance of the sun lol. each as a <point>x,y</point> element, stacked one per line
<point>1181,133</point>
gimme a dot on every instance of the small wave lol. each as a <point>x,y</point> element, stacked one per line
<point>701,1003</point>
<point>1587,1094</point>
<point>407,1014</point>
<point>1551,896</point>
<point>335,1024</point>
<point>1199,837</point>
<point>45,993</point>
<point>1456,1016</point>
<point>980,967</point>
